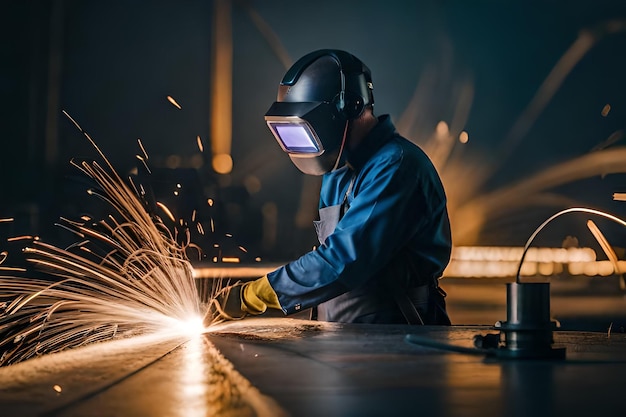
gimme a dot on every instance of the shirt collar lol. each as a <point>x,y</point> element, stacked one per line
<point>375,139</point>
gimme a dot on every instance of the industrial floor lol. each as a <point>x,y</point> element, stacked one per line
<point>294,367</point>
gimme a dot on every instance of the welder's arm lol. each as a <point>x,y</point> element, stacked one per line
<point>242,299</point>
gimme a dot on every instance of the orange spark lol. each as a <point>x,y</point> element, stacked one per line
<point>171,100</point>
<point>9,268</point>
<point>166,210</point>
<point>24,237</point>
<point>143,161</point>
<point>145,154</point>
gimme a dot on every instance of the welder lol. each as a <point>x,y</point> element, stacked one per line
<point>383,225</point>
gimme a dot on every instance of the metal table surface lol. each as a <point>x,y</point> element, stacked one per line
<point>284,366</point>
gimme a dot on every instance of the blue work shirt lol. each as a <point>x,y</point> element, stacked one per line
<point>397,220</point>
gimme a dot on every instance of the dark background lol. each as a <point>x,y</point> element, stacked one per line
<point>112,64</point>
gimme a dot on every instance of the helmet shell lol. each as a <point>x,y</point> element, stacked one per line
<point>342,83</point>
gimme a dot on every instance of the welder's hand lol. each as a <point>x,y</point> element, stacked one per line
<point>258,295</point>
<point>237,301</point>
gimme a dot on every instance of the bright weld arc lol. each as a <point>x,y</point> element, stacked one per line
<point>126,276</point>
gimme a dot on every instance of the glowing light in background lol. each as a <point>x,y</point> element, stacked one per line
<point>473,210</point>
<point>502,262</point>
<point>222,163</point>
<point>477,262</point>
<point>442,129</point>
<point>221,88</point>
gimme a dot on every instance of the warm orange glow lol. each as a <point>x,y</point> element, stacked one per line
<point>442,129</point>
<point>514,253</point>
<point>57,388</point>
<point>463,137</point>
<point>171,100</point>
<point>486,262</point>
<point>222,163</point>
<point>221,87</point>
<point>230,259</point>
<point>605,110</point>
<point>478,262</point>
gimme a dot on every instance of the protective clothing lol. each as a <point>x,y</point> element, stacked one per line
<point>390,236</point>
<point>239,300</point>
<point>257,296</point>
<point>317,98</point>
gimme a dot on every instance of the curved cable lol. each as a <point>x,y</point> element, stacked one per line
<point>554,216</point>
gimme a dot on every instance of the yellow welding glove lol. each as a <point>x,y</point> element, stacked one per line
<point>257,296</point>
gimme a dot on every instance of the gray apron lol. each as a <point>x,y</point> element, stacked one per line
<point>376,301</point>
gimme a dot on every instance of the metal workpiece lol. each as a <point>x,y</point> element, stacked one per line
<point>291,367</point>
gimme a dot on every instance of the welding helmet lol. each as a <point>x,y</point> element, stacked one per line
<point>317,98</point>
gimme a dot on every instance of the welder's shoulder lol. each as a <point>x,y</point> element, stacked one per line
<point>402,152</point>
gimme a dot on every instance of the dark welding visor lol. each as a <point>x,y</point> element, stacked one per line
<point>295,135</point>
<point>311,133</point>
